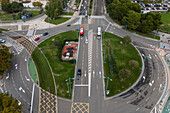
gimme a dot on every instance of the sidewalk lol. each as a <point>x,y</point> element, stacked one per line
<point>162,103</point>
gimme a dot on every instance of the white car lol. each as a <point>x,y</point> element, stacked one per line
<point>2,41</point>
<point>86,40</point>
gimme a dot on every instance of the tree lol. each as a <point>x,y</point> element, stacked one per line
<point>16,7</point>
<point>37,4</point>
<point>4,2</point>
<point>5,58</point>
<point>8,104</point>
<point>133,20</point>
<point>123,74</point>
<point>127,39</point>
<point>133,63</point>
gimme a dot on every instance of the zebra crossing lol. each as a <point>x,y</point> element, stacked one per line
<point>32,38</point>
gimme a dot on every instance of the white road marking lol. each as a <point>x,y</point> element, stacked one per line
<point>7,76</point>
<point>150,84</point>
<point>128,102</point>
<point>152,81</point>
<point>85,73</point>
<point>20,88</point>
<point>153,89</point>
<point>16,67</point>
<point>147,99</point>
<point>27,78</point>
<point>137,109</point>
<point>81,85</point>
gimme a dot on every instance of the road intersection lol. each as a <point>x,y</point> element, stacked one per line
<point>89,89</point>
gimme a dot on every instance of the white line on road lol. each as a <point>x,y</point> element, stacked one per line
<point>147,99</point>
<point>32,98</point>
<point>153,89</point>
<point>137,109</point>
<point>128,102</point>
<point>27,78</point>
<point>81,85</point>
<point>7,76</point>
<point>85,73</point>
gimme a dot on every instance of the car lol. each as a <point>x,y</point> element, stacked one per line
<point>79,72</point>
<point>68,25</point>
<point>80,13</point>
<point>46,33</point>
<point>2,41</point>
<point>86,40</point>
<point>82,5</point>
<point>37,39</point>
<point>165,5</point>
<point>76,10</point>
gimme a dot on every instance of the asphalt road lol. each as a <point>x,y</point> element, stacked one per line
<point>140,99</point>
<point>19,84</point>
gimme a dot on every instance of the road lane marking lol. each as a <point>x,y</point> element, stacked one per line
<point>147,99</point>
<point>81,85</point>
<point>153,89</point>
<point>137,109</point>
<point>128,102</point>
<point>85,73</point>
<point>27,78</point>
<point>7,76</point>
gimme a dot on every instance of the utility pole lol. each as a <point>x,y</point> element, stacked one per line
<point>107,82</point>
<point>69,80</point>
<point>156,33</point>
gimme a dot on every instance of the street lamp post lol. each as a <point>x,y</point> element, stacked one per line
<point>107,82</point>
<point>69,80</point>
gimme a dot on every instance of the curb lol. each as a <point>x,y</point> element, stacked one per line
<point>108,98</point>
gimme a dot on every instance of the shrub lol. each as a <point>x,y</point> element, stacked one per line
<point>133,63</point>
<point>123,74</point>
<point>127,39</point>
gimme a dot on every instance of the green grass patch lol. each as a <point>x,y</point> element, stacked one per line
<point>57,21</point>
<point>144,34</point>
<point>122,54</point>
<point>90,11</point>
<point>8,17</point>
<point>3,30</point>
<point>165,27</point>
<point>62,69</point>
<point>45,75</point>
<point>68,13</point>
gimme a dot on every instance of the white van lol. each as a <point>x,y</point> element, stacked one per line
<point>99,32</point>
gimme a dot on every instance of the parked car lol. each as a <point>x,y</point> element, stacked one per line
<point>46,33</point>
<point>37,39</point>
<point>86,40</point>
<point>2,41</point>
<point>79,72</point>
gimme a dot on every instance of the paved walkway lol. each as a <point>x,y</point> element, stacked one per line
<point>162,53</point>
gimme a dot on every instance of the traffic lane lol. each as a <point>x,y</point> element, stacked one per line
<point>121,32</point>
<point>97,94</point>
<point>35,107</point>
<point>21,87</point>
<point>51,29</point>
<point>120,107</point>
<point>57,31</point>
<point>64,106</point>
<point>80,60</point>
<point>81,94</point>
<point>12,89</point>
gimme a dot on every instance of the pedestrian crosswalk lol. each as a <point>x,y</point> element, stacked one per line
<point>32,38</point>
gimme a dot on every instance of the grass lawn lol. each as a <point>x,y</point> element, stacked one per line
<point>7,17</point>
<point>145,34</point>
<point>68,13</point>
<point>165,27</point>
<point>122,55</point>
<point>62,69</point>
<point>57,21</point>
<point>45,75</point>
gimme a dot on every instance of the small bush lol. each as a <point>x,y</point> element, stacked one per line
<point>123,74</point>
<point>127,39</point>
<point>133,63</point>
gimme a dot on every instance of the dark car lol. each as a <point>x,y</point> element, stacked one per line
<point>79,72</point>
<point>45,34</point>
<point>68,25</point>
